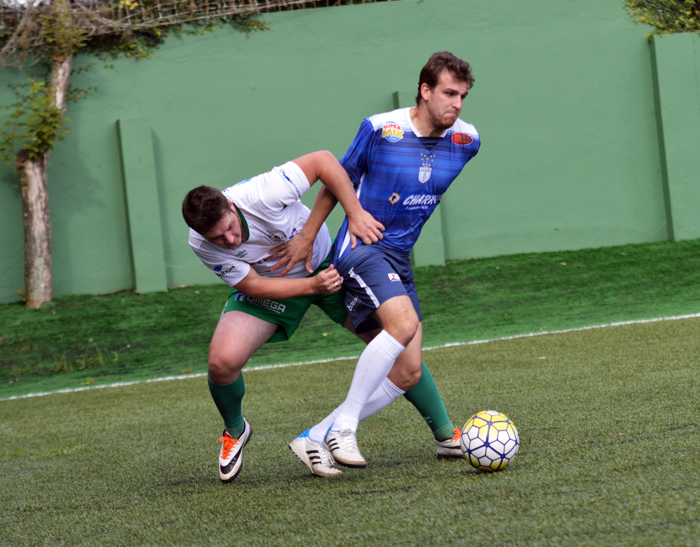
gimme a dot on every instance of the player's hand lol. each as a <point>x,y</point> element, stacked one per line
<point>296,249</point>
<point>328,281</point>
<point>363,226</point>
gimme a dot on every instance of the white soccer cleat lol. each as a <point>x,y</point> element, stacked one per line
<point>230,457</point>
<point>314,456</point>
<point>451,448</point>
<point>343,447</point>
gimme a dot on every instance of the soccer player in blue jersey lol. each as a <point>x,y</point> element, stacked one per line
<point>401,163</point>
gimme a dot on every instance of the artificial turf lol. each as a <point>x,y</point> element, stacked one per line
<point>87,340</point>
<point>608,422</point>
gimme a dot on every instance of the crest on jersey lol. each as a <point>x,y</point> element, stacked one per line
<point>426,168</point>
<point>392,132</point>
<point>461,138</point>
<point>394,198</point>
<point>277,236</point>
<point>394,277</point>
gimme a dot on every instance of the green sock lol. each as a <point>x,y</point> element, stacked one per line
<point>426,398</point>
<point>228,400</point>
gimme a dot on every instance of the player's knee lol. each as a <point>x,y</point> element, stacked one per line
<point>223,369</point>
<point>403,331</point>
<point>405,377</point>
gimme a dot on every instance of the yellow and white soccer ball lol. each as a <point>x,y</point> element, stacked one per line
<point>490,440</point>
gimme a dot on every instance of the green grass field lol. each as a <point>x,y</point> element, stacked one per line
<point>608,417</point>
<point>608,420</point>
<point>92,340</point>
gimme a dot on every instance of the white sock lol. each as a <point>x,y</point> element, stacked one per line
<point>386,393</point>
<point>372,368</point>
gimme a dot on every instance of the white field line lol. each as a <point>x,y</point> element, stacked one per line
<point>282,365</point>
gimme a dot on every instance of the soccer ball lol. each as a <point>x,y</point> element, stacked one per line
<point>489,440</point>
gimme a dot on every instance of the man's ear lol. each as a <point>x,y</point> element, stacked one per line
<point>424,89</point>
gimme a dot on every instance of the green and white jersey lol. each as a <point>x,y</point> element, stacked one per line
<point>272,214</point>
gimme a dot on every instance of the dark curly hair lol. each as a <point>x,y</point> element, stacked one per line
<point>203,207</point>
<point>443,60</point>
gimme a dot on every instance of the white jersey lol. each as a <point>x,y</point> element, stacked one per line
<point>271,214</point>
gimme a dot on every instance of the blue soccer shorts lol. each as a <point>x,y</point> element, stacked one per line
<point>371,276</point>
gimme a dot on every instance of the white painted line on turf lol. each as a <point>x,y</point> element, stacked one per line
<point>540,333</point>
<point>165,378</point>
<point>317,361</point>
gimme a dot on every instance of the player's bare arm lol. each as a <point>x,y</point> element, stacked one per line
<point>273,288</point>
<point>337,186</point>
<point>323,166</point>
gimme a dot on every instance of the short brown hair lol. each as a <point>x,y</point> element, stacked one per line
<point>203,207</point>
<point>443,60</point>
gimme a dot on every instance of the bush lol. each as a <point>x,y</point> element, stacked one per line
<point>666,16</point>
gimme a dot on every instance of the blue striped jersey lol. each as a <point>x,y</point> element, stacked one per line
<point>400,176</point>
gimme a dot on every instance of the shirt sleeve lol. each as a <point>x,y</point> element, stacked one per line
<point>227,268</point>
<point>355,159</point>
<point>475,149</point>
<point>283,186</point>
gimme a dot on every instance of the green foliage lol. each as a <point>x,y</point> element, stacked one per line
<point>54,32</point>
<point>666,16</point>
<point>63,38</point>
<point>34,121</point>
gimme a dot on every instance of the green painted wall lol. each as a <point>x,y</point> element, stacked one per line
<point>676,63</point>
<point>564,101</point>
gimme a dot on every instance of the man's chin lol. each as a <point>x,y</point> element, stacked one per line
<point>449,121</point>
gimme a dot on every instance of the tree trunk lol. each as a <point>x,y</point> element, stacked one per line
<point>35,202</point>
<point>37,228</point>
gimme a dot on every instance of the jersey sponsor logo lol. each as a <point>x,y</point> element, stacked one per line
<point>392,132</point>
<point>394,276</point>
<point>353,304</point>
<point>290,181</point>
<point>394,198</point>
<point>221,272</point>
<point>426,167</point>
<point>461,139</point>
<point>421,200</point>
<point>271,305</point>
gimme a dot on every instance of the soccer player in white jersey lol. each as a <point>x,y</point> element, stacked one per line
<point>234,232</point>
<point>401,163</point>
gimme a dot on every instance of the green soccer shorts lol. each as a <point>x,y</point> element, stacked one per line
<point>287,314</point>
